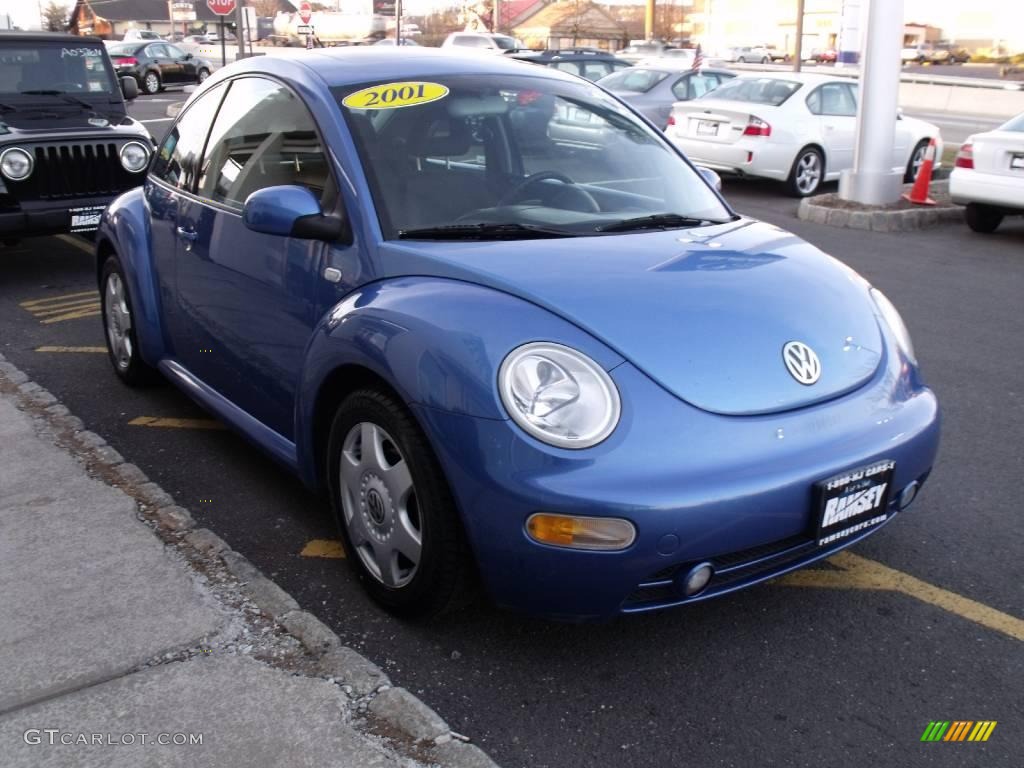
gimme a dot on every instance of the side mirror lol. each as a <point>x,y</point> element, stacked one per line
<point>290,211</point>
<point>899,113</point>
<point>129,88</point>
<point>711,177</point>
<point>188,56</point>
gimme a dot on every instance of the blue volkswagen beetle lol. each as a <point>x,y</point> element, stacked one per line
<point>512,333</point>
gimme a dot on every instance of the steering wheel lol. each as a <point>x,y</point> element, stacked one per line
<point>517,191</point>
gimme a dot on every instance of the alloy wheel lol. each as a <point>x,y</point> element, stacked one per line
<point>381,512</point>
<point>808,173</point>
<point>118,322</point>
<point>152,83</point>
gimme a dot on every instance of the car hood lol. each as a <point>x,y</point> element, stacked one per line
<point>33,123</point>
<point>704,312</point>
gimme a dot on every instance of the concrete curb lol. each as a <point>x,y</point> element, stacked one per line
<point>822,210</point>
<point>405,719</point>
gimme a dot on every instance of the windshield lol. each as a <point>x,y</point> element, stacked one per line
<point>523,152</point>
<point>1017,124</point>
<point>124,49</point>
<point>633,80</point>
<point>76,68</point>
<point>505,43</point>
<point>756,90</point>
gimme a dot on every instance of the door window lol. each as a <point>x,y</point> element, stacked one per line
<point>568,66</point>
<point>158,52</point>
<point>693,86</point>
<point>174,52</point>
<point>263,137</point>
<point>178,158</point>
<point>834,99</point>
<point>595,70</point>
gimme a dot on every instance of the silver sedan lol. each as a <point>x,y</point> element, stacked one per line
<point>652,88</point>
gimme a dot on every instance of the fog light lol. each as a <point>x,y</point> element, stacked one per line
<point>907,495</point>
<point>580,532</point>
<point>697,579</point>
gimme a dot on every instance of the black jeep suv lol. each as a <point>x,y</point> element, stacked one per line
<point>67,145</point>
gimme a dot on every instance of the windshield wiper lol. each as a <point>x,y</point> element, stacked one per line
<point>508,231</point>
<point>63,94</point>
<point>659,221</point>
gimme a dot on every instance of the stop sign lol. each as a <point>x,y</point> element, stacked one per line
<point>305,12</point>
<point>221,7</point>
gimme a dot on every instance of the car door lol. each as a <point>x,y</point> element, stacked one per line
<point>185,62</point>
<point>835,109</point>
<point>250,298</point>
<point>171,174</point>
<point>170,71</point>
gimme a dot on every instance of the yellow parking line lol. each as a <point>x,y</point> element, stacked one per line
<point>156,421</point>
<point>75,242</point>
<point>858,572</point>
<point>91,311</point>
<point>52,299</point>
<point>97,350</point>
<point>77,306</point>
<point>330,548</point>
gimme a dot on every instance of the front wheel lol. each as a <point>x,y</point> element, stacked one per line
<point>202,75</point>
<point>807,174</point>
<point>118,321</point>
<point>402,534</point>
<point>916,161</point>
<point>982,218</point>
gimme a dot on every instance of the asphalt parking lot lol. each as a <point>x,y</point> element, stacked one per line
<point>844,665</point>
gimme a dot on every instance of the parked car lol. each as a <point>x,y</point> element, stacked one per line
<point>950,53</point>
<point>638,50</point>
<point>988,176</point>
<point>752,54</point>
<point>158,65</point>
<point>824,55</point>
<point>483,42</point>
<point>135,35</point>
<point>918,54</point>
<point>567,371</point>
<point>589,63</point>
<point>653,89</point>
<point>67,144</point>
<point>796,128</point>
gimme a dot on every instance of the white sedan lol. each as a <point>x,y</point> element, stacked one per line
<point>796,128</point>
<point>989,176</point>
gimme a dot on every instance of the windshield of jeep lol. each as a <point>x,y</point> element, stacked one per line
<point>45,71</point>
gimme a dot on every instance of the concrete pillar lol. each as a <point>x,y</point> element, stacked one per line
<point>872,180</point>
<point>849,34</point>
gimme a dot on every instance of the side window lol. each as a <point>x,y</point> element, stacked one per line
<point>158,52</point>
<point>178,157</point>
<point>174,52</point>
<point>814,102</point>
<point>568,66</point>
<point>595,70</point>
<point>263,137</point>
<point>694,86</point>
<point>837,100</point>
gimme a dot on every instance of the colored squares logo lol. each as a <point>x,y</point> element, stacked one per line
<point>958,730</point>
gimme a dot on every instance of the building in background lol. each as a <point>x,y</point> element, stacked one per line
<point>110,19</point>
<point>570,24</point>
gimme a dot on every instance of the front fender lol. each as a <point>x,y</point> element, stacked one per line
<point>437,342</point>
<point>124,229</point>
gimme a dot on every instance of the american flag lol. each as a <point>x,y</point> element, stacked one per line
<point>698,59</point>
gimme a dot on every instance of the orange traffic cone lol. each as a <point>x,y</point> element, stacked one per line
<point>919,192</point>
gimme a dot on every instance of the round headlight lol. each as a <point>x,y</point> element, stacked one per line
<point>559,395</point>
<point>15,163</point>
<point>895,322</point>
<point>134,156</point>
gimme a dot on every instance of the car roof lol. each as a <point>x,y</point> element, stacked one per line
<point>805,78</point>
<point>360,64</point>
<point>46,37</point>
<point>677,67</point>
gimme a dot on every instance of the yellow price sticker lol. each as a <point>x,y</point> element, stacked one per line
<point>391,95</point>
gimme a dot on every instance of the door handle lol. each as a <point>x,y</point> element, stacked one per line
<point>187,234</point>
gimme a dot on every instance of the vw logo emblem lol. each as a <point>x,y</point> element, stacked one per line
<point>801,362</point>
<point>375,506</point>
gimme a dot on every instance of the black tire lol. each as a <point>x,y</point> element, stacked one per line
<point>202,74</point>
<point>131,369</point>
<point>150,83</point>
<point>741,60</point>
<point>910,174</point>
<point>444,578</point>
<point>798,185</point>
<point>983,218</point>
<point>11,242</point>
<point>766,60</point>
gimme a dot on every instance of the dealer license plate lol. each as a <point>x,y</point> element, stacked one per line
<point>707,128</point>
<point>853,501</point>
<point>1017,162</point>
<point>85,219</point>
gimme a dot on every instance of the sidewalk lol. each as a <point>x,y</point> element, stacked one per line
<point>129,639</point>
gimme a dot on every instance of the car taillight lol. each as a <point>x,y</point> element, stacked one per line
<point>757,127</point>
<point>127,61</point>
<point>965,157</point>
<point>671,120</point>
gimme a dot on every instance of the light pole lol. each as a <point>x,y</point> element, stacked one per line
<point>798,58</point>
<point>872,180</point>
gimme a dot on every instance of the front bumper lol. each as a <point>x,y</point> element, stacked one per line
<point>735,491</point>
<point>53,217</point>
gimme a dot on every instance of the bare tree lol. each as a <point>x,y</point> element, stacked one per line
<point>265,7</point>
<point>55,17</point>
